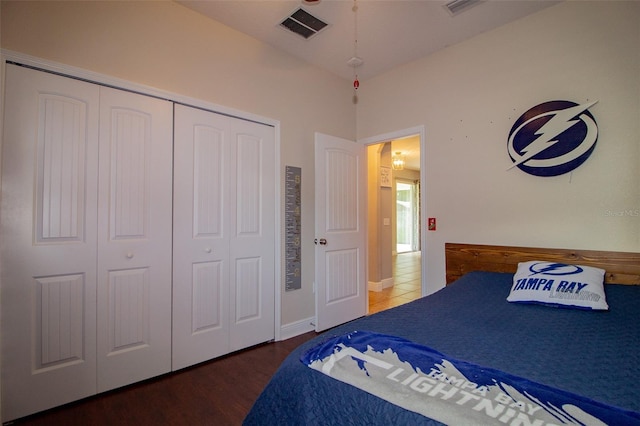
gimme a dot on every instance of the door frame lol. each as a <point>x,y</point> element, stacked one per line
<point>398,134</point>
<point>106,80</point>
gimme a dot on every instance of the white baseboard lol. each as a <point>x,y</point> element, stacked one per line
<point>297,328</point>
<point>380,285</point>
<point>374,286</point>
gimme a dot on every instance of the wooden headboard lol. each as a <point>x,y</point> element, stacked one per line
<point>620,267</point>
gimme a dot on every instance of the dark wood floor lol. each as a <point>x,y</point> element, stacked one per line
<point>218,392</point>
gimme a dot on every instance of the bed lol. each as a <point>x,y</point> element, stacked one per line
<point>591,356</point>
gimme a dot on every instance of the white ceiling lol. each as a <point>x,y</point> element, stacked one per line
<point>409,148</point>
<point>390,32</point>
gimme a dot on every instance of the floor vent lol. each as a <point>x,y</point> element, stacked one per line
<point>457,6</point>
<point>303,23</point>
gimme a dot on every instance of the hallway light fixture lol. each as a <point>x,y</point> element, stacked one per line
<point>397,161</point>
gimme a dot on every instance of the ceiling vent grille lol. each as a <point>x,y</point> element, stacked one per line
<point>458,6</point>
<point>303,23</point>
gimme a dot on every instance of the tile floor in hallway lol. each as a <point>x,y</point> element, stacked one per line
<point>406,278</point>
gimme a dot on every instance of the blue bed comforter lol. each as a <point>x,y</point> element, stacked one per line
<point>593,354</point>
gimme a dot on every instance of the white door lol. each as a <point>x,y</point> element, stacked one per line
<point>253,226</point>
<point>48,241</point>
<point>341,288</point>
<point>134,238</point>
<point>224,216</point>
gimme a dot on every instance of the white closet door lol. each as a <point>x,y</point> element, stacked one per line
<point>48,241</point>
<point>224,213</point>
<point>134,238</point>
<point>201,237</point>
<point>252,248</point>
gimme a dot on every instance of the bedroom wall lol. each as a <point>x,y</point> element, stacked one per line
<point>468,97</point>
<point>164,45</point>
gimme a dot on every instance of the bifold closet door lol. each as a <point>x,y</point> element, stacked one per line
<point>48,236</point>
<point>134,238</point>
<point>224,214</point>
<point>85,240</point>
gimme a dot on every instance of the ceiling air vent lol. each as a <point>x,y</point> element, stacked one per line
<point>457,6</point>
<point>303,23</point>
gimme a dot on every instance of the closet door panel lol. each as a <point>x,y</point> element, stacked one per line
<point>252,243</point>
<point>224,214</point>
<point>201,237</point>
<point>48,241</point>
<point>134,238</point>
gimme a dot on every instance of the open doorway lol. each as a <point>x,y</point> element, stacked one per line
<point>395,263</point>
<point>407,215</point>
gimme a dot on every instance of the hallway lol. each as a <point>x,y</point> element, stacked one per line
<point>406,278</point>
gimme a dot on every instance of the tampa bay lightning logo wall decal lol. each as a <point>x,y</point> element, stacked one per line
<point>553,138</point>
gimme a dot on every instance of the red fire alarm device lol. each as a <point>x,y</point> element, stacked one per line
<point>431,224</point>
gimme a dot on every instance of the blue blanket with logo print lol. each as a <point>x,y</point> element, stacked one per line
<point>595,354</point>
<point>422,380</point>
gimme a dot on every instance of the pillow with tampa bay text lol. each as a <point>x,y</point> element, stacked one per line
<point>560,285</point>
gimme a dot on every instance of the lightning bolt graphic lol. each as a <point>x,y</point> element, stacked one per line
<point>552,267</point>
<point>561,121</point>
<point>563,269</point>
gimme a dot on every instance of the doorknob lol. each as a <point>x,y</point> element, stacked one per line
<point>323,242</point>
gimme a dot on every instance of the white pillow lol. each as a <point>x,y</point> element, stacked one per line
<point>558,284</point>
